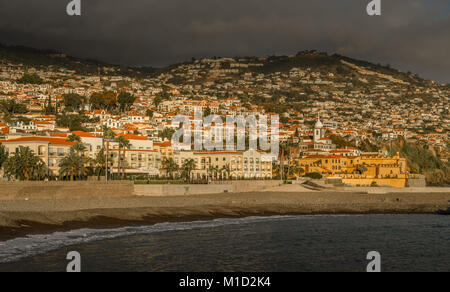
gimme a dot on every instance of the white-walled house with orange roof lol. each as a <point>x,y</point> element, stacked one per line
<point>113,123</point>
<point>44,126</point>
<point>134,118</point>
<point>21,126</point>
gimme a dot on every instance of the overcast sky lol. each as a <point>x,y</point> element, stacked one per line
<point>410,35</point>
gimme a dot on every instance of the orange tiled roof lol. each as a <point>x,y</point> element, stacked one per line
<point>52,141</point>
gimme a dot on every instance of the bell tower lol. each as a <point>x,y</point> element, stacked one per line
<point>319,132</point>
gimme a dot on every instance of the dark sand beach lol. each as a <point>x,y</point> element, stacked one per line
<point>22,217</point>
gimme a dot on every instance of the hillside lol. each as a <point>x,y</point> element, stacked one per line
<point>361,104</point>
<point>317,61</point>
<point>31,57</point>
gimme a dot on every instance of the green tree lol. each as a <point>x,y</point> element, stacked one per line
<point>24,165</point>
<point>108,135</point>
<point>100,163</point>
<point>73,100</point>
<point>74,122</point>
<point>30,79</point>
<point>74,138</point>
<point>362,169</point>
<point>170,166</point>
<point>72,166</point>
<point>167,134</point>
<point>207,112</point>
<point>226,169</point>
<point>79,148</point>
<point>125,100</point>
<point>13,107</point>
<point>106,100</point>
<point>3,155</point>
<point>123,145</point>
<point>213,171</point>
<point>49,109</point>
<point>314,175</point>
<point>164,95</point>
<point>188,168</point>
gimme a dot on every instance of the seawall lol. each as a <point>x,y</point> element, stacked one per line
<point>180,190</point>
<point>214,188</point>
<point>121,189</point>
<point>64,190</point>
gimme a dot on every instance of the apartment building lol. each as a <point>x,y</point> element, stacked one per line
<point>228,165</point>
<point>135,161</point>
<point>50,150</point>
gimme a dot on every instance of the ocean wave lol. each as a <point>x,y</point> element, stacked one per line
<point>33,245</point>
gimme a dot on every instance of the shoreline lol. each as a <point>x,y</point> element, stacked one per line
<point>22,218</point>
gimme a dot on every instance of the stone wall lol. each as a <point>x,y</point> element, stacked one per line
<point>214,188</point>
<point>417,182</point>
<point>180,190</point>
<point>64,190</point>
<point>389,182</point>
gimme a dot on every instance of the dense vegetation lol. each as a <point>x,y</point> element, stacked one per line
<point>25,165</point>
<point>422,160</point>
<point>73,122</point>
<point>30,79</point>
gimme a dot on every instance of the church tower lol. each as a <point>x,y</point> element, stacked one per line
<point>319,131</point>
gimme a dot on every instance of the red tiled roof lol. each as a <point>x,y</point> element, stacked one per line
<point>135,137</point>
<point>52,141</point>
<point>84,134</point>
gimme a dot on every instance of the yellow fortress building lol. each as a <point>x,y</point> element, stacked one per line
<point>363,170</point>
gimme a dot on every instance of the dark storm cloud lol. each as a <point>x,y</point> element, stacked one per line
<point>410,35</point>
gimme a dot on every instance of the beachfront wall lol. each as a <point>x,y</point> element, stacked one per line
<point>382,182</point>
<point>215,188</point>
<point>248,186</point>
<point>64,190</point>
<point>181,190</point>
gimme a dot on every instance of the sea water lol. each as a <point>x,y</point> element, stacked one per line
<point>255,244</point>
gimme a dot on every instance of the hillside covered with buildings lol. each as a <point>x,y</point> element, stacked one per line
<point>339,117</point>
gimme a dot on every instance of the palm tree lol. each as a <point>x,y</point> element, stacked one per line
<point>283,147</point>
<point>78,148</point>
<point>188,167</point>
<point>108,135</point>
<point>99,163</point>
<point>170,166</point>
<point>74,138</point>
<point>227,169</point>
<point>25,165</point>
<point>72,165</point>
<point>166,134</point>
<point>362,169</point>
<point>40,171</point>
<point>3,155</point>
<point>213,171</point>
<point>293,171</point>
<point>123,144</point>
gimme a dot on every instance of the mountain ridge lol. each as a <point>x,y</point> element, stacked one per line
<point>277,63</point>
